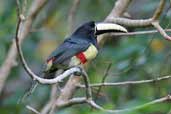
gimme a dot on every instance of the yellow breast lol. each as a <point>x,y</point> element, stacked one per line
<point>91,52</point>
<point>74,61</point>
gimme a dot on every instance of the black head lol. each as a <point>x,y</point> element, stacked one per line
<point>87,30</point>
<point>92,29</point>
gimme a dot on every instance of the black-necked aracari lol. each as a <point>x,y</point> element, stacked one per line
<point>79,48</point>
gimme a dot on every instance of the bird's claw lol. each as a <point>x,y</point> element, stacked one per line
<point>79,73</point>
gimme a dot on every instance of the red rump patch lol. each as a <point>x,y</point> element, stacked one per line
<point>51,59</point>
<point>82,57</point>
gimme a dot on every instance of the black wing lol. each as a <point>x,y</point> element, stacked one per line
<point>68,49</point>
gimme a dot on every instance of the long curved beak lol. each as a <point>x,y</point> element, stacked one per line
<point>101,28</point>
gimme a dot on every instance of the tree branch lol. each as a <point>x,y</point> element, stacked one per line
<point>127,82</point>
<point>145,22</point>
<point>73,101</point>
<point>139,22</point>
<point>161,30</point>
<point>163,99</point>
<point>81,100</point>
<point>24,30</point>
<point>72,14</point>
<point>159,10</point>
<point>139,32</point>
<point>32,109</point>
<point>103,80</point>
<point>58,78</point>
<point>64,98</point>
<point>51,101</point>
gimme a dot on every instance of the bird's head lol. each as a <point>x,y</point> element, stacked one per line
<point>92,29</point>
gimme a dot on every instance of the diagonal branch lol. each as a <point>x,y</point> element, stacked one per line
<point>32,109</point>
<point>81,100</point>
<point>72,13</point>
<point>161,30</point>
<point>103,80</point>
<point>160,100</point>
<point>159,10</point>
<point>52,99</point>
<point>61,103</point>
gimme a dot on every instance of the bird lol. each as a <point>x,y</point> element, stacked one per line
<point>79,48</point>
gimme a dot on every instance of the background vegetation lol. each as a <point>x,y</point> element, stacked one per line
<point>135,57</point>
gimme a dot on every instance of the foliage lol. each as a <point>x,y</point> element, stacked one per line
<point>133,58</point>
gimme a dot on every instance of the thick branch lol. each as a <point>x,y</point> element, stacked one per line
<point>139,22</point>
<point>54,94</point>
<point>73,101</point>
<point>72,13</point>
<point>68,90</point>
<point>119,9</point>
<point>132,22</point>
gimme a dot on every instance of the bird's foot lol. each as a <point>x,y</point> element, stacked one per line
<point>80,71</point>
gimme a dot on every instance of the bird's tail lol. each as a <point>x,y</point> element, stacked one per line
<point>31,89</point>
<point>47,75</point>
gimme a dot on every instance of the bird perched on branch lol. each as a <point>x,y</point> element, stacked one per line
<point>79,48</point>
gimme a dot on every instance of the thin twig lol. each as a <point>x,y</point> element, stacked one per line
<point>163,99</point>
<point>103,80</point>
<point>139,32</point>
<point>47,107</point>
<point>128,82</point>
<point>87,84</point>
<point>32,109</point>
<point>159,10</point>
<point>161,30</point>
